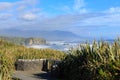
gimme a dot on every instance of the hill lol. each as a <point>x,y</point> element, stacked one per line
<point>48,35</point>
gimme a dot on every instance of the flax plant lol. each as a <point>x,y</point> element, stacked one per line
<point>101,61</point>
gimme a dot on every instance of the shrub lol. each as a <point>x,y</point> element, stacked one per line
<point>101,61</point>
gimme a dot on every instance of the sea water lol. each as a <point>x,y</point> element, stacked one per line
<point>57,45</point>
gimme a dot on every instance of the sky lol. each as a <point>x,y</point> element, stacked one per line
<point>88,18</point>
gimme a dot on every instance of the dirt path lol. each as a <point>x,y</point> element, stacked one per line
<point>37,75</point>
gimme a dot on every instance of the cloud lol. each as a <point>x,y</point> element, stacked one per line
<point>25,14</point>
<point>22,9</point>
<point>62,22</point>
<point>27,2</point>
<point>28,16</point>
<point>79,6</point>
<point>113,10</point>
<point>109,17</point>
<point>5,5</point>
<point>91,24</point>
<point>31,2</point>
<point>4,16</point>
<point>65,9</point>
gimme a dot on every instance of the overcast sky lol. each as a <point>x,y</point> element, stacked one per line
<point>92,18</point>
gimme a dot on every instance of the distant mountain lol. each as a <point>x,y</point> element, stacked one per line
<point>49,35</point>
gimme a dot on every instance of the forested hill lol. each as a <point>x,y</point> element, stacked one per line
<point>24,41</point>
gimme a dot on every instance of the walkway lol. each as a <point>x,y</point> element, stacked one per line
<point>36,75</point>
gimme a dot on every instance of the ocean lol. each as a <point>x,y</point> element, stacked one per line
<point>57,45</point>
<point>62,45</point>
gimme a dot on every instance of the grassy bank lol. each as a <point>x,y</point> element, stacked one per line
<point>9,53</point>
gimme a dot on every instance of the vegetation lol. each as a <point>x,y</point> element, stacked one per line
<point>10,53</point>
<point>101,61</point>
<point>24,41</point>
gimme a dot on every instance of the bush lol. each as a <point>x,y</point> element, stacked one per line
<point>101,61</point>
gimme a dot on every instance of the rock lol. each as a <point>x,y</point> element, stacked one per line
<point>29,65</point>
<point>35,41</point>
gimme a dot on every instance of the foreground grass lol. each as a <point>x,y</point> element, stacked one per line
<point>101,61</point>
<point>10,53</point>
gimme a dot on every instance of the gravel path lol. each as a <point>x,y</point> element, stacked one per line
<point>36,75</point>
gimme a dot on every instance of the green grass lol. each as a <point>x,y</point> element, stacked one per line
<point>101,61</point>
<point>10,53</point>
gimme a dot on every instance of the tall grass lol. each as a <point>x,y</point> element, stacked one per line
<point>101,61</point>
<point>6,61</point>
<point>10,53</point>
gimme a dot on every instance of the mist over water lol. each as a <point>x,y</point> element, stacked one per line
<point>57,45</point>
